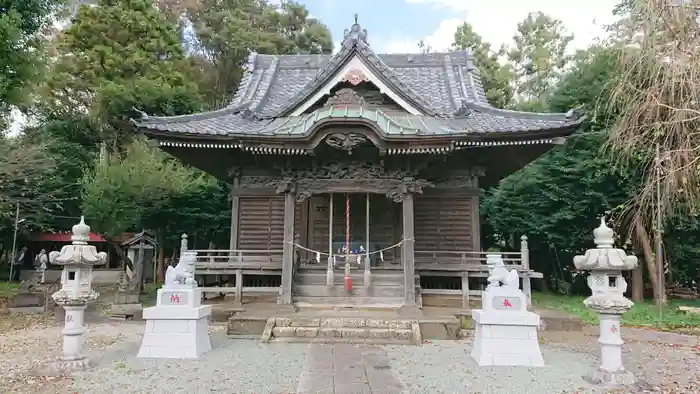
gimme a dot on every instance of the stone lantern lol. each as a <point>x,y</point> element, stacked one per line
<point>74,296</point>
<point>608,287</point>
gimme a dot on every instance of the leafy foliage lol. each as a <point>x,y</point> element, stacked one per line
<point>117,55</point>
<point>539,57</point>
<point>122,193</point>
<point>558,198</point>
<point>228,30</point>
<point>496,78</point>
<point>21,22</point>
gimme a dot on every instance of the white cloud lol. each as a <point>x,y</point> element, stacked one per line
<point>440,40</point>
<point>496,20</point>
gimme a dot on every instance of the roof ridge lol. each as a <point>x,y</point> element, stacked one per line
<point>572,115</point>
<point>244,84</point>
<point>266,80</point>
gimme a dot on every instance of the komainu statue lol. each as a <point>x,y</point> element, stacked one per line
<point>183,272</point>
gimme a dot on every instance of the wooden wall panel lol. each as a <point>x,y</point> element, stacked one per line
<point>445,223</point>
<point>261,223</point>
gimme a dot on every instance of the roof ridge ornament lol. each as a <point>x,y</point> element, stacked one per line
<point>355,34</point>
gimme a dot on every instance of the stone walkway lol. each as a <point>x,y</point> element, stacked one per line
<point>347,369</point>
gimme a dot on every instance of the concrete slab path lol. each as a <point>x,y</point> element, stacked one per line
<point>347,369</point>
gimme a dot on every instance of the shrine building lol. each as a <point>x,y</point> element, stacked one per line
<point>357,167</point>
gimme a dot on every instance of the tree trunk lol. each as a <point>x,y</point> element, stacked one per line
<point>638,284</point>
<point>645,244</point>
<point>161,264</point>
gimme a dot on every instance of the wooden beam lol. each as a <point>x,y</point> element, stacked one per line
<point>451,191</point>
<point>254,192</point>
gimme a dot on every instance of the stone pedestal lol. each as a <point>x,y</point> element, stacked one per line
<point>611,372</point>
<point>126,305</point>
<point>505,332</point>
<point>177,327</point>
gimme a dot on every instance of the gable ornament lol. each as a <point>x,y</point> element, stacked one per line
<point>345,96</point>
<point>355,77</point>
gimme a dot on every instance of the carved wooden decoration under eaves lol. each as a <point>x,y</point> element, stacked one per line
<point>345,96</point>
<point>345,141</point>
<point>395,184</point>
<point>367,178</point>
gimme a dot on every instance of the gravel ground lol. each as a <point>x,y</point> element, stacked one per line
<point>233,366</point>
<point>446,366</point>
<point>237,366</point>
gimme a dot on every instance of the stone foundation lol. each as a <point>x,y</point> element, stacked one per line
<point>506,338</point>
<point>177,327</point>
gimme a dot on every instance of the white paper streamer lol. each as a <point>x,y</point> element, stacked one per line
<point>318,257</point>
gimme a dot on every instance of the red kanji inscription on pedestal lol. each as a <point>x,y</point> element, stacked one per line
<point>613,329</point>
<point>506,303</point>
<point>174,299</point>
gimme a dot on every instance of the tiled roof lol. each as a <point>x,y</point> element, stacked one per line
<point>445,87</point>
<point>481,120</point>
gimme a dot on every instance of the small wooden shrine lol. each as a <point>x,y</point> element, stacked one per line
<point>357,165</point>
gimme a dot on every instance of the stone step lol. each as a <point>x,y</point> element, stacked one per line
<point>339,291</point>
<point>319,278</point>
<point>343,329</point>
<point>342,301</point>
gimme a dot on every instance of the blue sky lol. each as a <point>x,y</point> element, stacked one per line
<point>396,26</point>
<point>386,21</point>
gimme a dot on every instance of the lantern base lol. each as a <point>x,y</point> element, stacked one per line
<point>63,367</point>
<point>611,379</point>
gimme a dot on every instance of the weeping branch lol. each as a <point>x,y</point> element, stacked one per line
<point>656,95</point>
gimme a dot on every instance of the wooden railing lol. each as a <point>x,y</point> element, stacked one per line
<point>468,265</point>
<point>226,263</point>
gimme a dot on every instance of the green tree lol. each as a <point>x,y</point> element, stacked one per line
<point>121,193</point>
<point>116,55</point>
<point>228,30</point>
<point>21,22</point>
<point>497,78</point>
<point>72,145</point>
<point>558,199</point>
<point>539,58</point>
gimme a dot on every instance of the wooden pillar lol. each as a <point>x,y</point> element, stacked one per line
<point>465,290</point>
<point>287,249</point>
<point>368,274</point>
<point>239,287</point>
<point>407,251</point>
<point>235,203</point>
<point>331,260</point>
<point>233,237</point>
